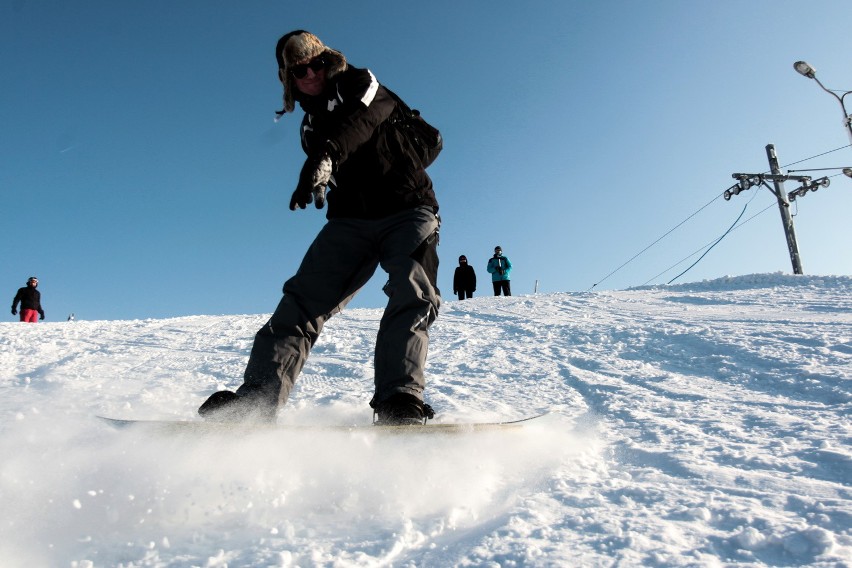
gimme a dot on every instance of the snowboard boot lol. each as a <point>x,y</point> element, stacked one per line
<point>227,406</point>
<point>400,410</point>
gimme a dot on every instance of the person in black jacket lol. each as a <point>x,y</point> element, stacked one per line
<point>30,300</point>
<point>382,211</point>
<point>464,279</point>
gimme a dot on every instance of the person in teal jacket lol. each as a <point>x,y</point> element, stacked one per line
<point>501,269</point>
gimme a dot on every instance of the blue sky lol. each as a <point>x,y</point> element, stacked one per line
<point>143,177</point>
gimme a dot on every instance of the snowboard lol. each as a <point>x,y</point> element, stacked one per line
<point>203,427</point>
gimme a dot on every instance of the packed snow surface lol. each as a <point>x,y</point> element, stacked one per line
<point>704,424</point>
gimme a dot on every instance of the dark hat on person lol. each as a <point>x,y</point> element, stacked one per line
<point>32,279</point>
<point>300,45</point>
<point>462,257</point>
<point>498,248</point>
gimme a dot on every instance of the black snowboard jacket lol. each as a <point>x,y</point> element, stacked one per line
<point>30,299</point>
<point>464,279</point>
<point>349,121</point>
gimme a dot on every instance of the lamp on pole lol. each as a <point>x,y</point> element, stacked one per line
<point>803,68</point>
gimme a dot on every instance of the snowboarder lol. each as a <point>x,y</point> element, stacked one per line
<point>501,270</point>
<point>464,279</point>
<point>382,211</point>
<point>30,300</point>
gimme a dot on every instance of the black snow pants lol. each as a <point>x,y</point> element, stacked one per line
<point>342,258</point>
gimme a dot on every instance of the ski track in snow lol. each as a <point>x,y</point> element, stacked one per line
<point>703,424</point>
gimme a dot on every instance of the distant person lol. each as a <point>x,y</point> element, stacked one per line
<point>30,300</point>
<point>382,211</point>
<point>464,279</point>
<point>71,317</point>
<point>501,269</point>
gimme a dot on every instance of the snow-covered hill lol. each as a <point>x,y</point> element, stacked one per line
<point>704,424</point>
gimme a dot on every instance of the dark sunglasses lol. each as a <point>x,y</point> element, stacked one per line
<point>300,71</point>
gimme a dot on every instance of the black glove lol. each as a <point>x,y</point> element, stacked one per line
<point>14,312</point>
<point>41,316</point>
<point>313,179</point>
<point>499,270</point>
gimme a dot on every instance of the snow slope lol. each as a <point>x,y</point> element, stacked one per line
<point>704,424</point>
